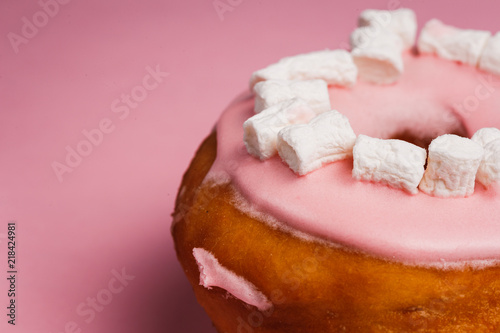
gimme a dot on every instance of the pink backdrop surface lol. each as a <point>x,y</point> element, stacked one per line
<point>102,105</point>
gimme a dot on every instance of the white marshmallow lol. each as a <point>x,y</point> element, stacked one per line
<point>486,135</point>
<point>261,131</point>
<point>462,45</point>
<point>396,163</point>
<point>335,67</point>
<point>451,166</point>
<point>271,92</point>
<point>377,54</point>
<point>489,169</point>
<point>490,58</point>
<point>402,22</point>
<point>307,147</point>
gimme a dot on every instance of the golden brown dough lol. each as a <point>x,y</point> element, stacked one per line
<point>316,287</point>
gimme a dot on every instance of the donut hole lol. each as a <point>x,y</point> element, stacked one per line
<point>427,101</point>
<point>423,138</point>
<point>417,122</point>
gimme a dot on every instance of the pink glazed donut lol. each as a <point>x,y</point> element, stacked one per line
<point>269,251</point>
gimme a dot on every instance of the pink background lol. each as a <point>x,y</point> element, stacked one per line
<point>112,211</point>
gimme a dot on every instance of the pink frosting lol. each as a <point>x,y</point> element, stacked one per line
<point>213,274</point>
<point>433,97</point>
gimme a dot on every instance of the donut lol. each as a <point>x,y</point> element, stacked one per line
<point>268,248</point>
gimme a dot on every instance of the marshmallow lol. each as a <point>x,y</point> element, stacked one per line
<point>451,166</point>
<point>335,67</point>
<point>307,147</point>
<point>396,163</point>
<point>261,131</point>
<point>377,54</point>
<point>271,92</point>
<point>489,169</point>
<point>451,43</point>
<point>402,22</point>
<point>486,135</point>
<point>490,58</point>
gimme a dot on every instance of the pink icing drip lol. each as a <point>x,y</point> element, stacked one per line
<point>371,217</point>
<point>213,274</point>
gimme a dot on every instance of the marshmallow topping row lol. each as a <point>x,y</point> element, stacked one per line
<point>377,46</point>
<point>294,118</point>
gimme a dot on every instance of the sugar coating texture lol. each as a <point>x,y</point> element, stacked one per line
<point>377,54</point>
<point>325,139</point>
<point>402,22</point>
<point>335,67</point>
<point>462,45</point>
<point>261,130</point>
<point>396,163</point>
<point>490,57</point>
<point>213,274</point>
<point>452,165</point>
<point>271,92</point>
